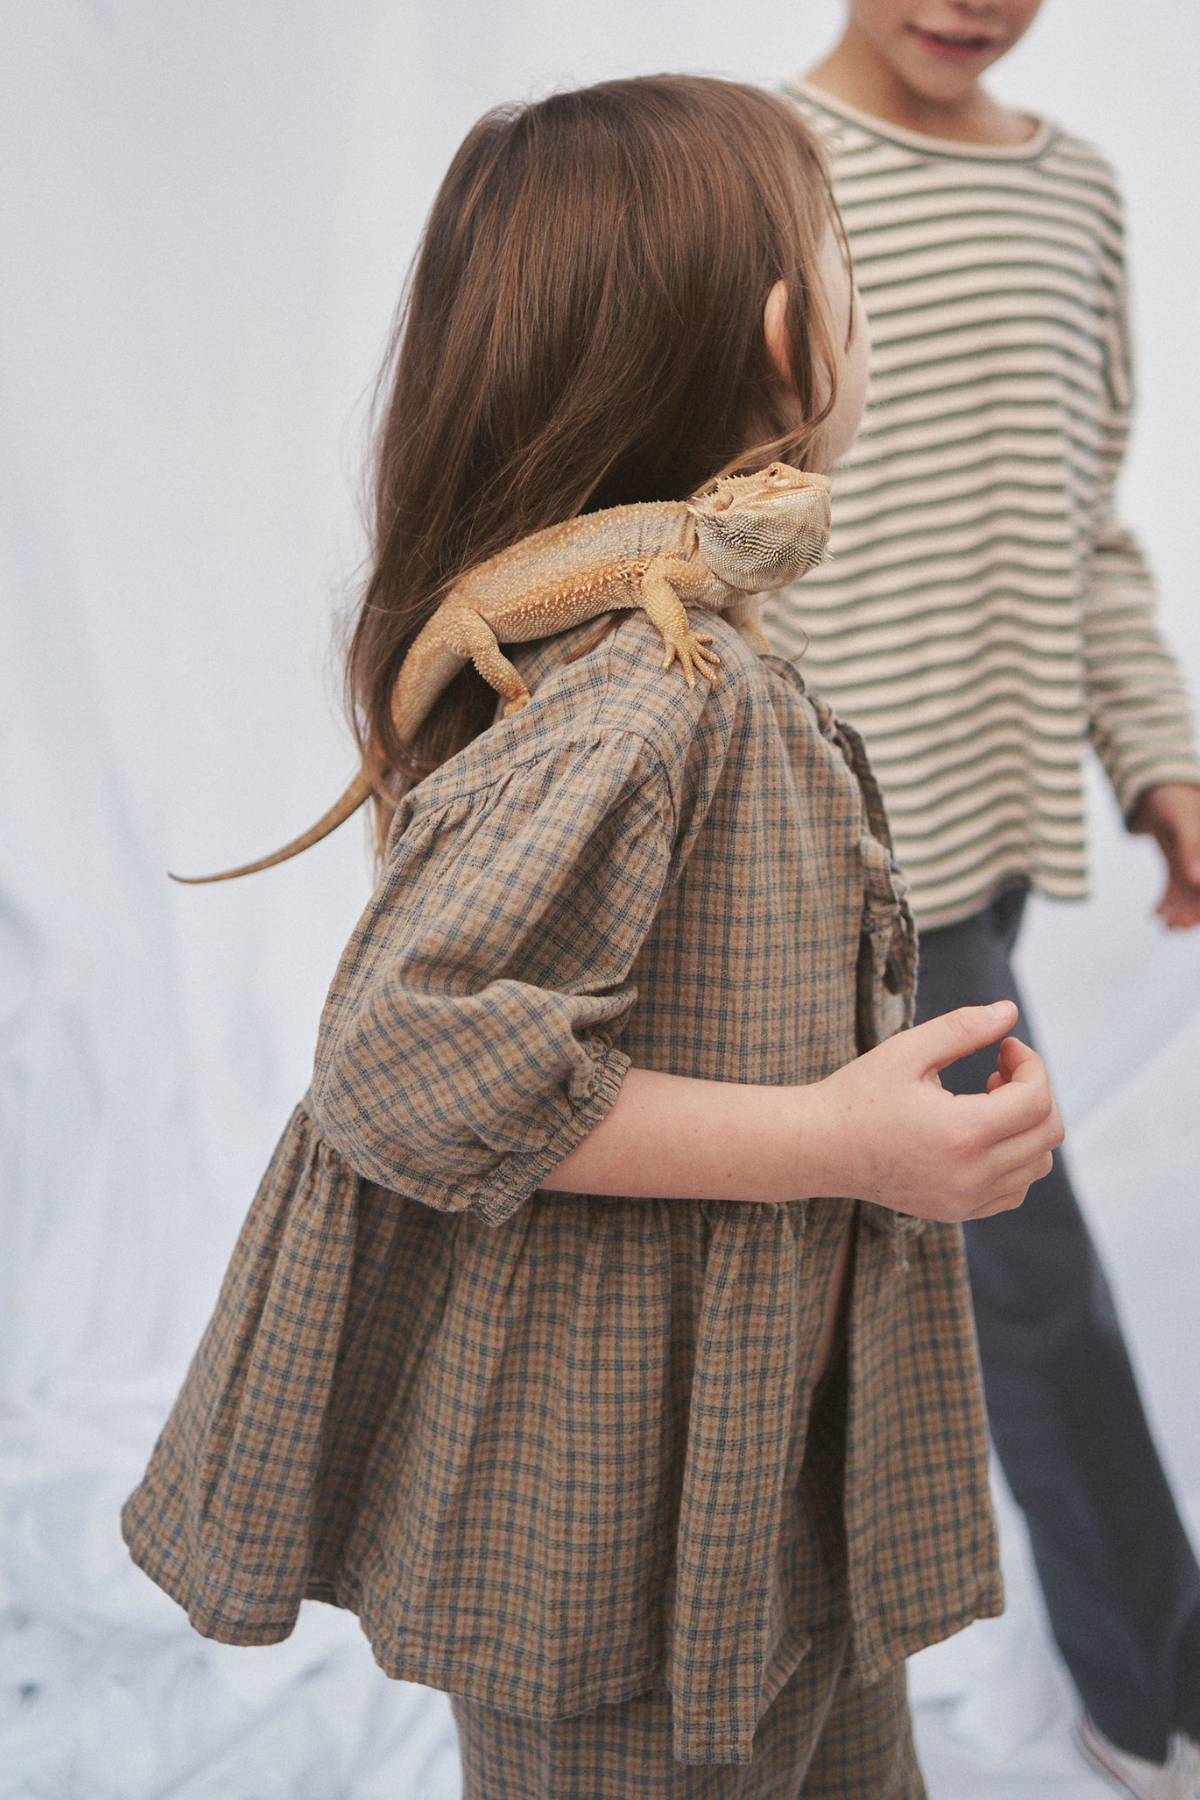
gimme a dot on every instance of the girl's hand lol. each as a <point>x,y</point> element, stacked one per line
<point>886,1129</point>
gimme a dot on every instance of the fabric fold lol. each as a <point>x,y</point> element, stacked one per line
<point>224,1517</point>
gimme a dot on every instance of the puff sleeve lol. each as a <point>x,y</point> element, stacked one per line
<point>465,1046</point>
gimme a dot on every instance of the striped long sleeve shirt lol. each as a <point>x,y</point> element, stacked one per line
<point>984,613</point>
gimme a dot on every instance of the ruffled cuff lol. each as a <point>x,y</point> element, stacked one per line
<point>496,1189</point>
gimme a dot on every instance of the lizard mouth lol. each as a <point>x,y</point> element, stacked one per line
<point>721,493</point>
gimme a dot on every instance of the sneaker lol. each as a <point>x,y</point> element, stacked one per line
<point>1176,1779</point>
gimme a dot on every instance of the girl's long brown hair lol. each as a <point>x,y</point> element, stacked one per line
<point>583,327</point>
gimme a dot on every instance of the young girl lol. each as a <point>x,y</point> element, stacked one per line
<point>543,1347</point>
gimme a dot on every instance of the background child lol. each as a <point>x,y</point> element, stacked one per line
<point>531,1352</point>
<point>984,618</point>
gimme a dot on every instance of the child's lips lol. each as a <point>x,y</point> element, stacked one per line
<point>954,46</point>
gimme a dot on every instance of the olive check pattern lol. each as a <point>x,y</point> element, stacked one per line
<point>825,1735</point>
<point>548,1447</point>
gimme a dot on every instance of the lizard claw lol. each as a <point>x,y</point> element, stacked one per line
<point>689,647</point>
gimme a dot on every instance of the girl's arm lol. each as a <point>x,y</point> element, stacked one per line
<point>467,1057</point>
<point>883,1128</point>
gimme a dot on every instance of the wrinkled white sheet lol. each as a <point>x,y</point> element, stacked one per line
<point>206,213</point>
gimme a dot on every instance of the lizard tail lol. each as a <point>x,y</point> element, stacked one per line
<point>360,789</point>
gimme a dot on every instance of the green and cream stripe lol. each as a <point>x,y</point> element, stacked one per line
<point>983,614</point>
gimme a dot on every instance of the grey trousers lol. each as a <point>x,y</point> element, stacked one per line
<point>1121,1584</point>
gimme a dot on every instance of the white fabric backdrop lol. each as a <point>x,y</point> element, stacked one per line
<point>206,212</point>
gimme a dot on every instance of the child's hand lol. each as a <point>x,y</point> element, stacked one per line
<point>894,1135</point>
<point>1170,812</point>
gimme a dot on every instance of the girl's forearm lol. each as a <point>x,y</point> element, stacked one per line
<point>677,1138</point>
<point>880,1128</point>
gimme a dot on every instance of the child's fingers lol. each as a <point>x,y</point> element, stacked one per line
<point>1008,1109</point>
<point>1027,1157</point>
<point>941,1041</point>
<point>1012,1054</point>
<point>997,1180</point>
<point>1010,1059</point>
<point>1005,1202</point>
<point>1008,1189</point>
<point>1030,1071</point>
<point>1018,1061</point>
<point>1005,1171</point>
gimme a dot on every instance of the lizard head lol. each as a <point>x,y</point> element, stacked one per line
<point>759,532</point>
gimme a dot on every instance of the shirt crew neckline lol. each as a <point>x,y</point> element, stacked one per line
<point>1028,151</point>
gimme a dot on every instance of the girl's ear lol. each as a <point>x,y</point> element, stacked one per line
<point>775,330</point>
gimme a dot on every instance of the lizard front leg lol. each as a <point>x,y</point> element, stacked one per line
<point>468,633</point>
<point>664,580</point>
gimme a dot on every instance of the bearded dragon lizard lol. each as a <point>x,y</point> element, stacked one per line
<point>741,535</point>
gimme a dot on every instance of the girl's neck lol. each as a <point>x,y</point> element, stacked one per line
<point>856,73</point>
